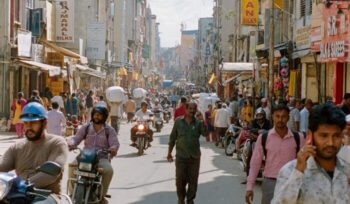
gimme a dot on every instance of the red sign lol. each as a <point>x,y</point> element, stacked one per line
<point>334,46</point>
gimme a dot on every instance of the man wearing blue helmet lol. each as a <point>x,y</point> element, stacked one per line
<point>38,147</point>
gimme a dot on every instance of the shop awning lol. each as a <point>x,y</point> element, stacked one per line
<point>300,53</point>
<point>237,67</point>
<point>231,79</point>
<point>84,69</point>
<point>63,51</point>
<point>53,70</point>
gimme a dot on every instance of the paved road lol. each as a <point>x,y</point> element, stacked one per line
<point>150,179</point>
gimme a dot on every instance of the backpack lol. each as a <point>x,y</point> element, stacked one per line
<point>264,138</point>
<point>87,130</point>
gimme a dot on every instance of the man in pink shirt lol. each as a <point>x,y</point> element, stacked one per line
<point>281,146</point>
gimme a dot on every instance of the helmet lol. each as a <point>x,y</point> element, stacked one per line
<point>102,110</point>
<point>260,114</point>
<point>33,111</point>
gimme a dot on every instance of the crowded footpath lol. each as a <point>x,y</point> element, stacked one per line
<point>299,150</point>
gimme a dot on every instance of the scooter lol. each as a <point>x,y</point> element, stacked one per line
<point>87,182</point>
<point>230,139</point>
<point>167,113</point>
<point>247,150</point>
<point>158,121</point>
<point>14,189</point>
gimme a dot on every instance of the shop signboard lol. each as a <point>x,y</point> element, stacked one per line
<point>24,43</point>
<point>250,12</point>
<point>334,43</point>
<point>65,21</point>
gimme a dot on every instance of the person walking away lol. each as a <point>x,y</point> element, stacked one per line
<point>279,146</point>
<point>115,115</point>
<point>75,104</point>
<point>185,135</point>
<point>222,121</point>
<point>208,123</point>
<point>181,111</point>
<point>17,107</point>
<point>317,175</point>
<point>26,155</point>
<point>35,97</point>
<point>89,105</point>
<point>294,116</point>
<point>98,135</point>
<point>59,99</point>
<point>130,108</point>
<point>304,116</point>
<point>55,120</point>
<point>346,104</point>
<point>173,100</point>
<point>101,102</point>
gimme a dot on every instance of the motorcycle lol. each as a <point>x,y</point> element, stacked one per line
<point>167,113</point>
<point>158,121</point>
<point>87,183</point>
<point>247,150</point>
<point>230,139</point>
<point>14,189</point>
<point>142,137</point>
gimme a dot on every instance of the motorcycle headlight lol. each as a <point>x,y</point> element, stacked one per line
<point>141,127</point>
<point>85,166</point>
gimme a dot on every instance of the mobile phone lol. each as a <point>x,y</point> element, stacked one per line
<point>309,139</point>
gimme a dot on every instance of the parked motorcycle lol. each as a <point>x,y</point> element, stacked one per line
<point>158,121</point>
<point>14,189</point>
<point>230,139</point>
<point>142,136</point>
<point>87,183</point>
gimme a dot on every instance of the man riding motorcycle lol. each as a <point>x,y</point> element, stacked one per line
<point>39,147</point>
<point>142,114</point>
<point>100,136</point>
<point>260,121</point>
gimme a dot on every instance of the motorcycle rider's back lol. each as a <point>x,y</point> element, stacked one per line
<point>25,156</point>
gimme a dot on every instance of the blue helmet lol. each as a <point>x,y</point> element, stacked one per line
<point>33,111</point>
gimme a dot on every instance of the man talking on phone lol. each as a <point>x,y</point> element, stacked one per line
<point>317,175</point>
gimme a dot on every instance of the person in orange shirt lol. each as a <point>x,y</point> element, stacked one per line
<point>247,112</point>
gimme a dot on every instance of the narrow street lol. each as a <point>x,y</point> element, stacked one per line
<point>150,179</point>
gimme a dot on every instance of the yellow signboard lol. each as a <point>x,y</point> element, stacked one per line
<point>279,4</point>
<point>250,12</point>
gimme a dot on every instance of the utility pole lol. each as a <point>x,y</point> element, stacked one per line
<point>270,77</point>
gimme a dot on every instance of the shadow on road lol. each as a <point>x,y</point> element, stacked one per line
<point>130,155</point>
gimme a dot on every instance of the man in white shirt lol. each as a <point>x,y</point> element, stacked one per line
<point>294,116</point>
<point>222,120</point>
<point>142,114</point>
<point>265,107</point>
<point>304,116</point>
<point>55,120</point>
<point>59,101</point>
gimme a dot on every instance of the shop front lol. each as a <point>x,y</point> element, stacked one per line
<point>333,48</point>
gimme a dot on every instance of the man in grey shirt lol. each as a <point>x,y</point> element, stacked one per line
<point>294,116</point>
<point>234,106</point>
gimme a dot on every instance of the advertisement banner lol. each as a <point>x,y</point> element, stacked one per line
<point>38,53</point>
<point>24,43</point>
<point>250,12</point>
<point>65,21</point>
<point>96,40</point>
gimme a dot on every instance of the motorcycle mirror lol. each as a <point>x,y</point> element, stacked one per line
<point>51,168</point>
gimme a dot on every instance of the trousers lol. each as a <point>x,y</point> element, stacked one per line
<point>267,189</point>
<point>187,172</point>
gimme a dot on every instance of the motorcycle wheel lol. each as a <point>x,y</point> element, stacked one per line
<point>230,147</point>
<point>79,197</point>
<point>141,146</point>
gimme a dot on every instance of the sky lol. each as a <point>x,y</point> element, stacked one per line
<point>171,13</point>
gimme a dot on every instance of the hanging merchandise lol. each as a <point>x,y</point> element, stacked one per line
<point>278,87</point>
<point>284,74</point>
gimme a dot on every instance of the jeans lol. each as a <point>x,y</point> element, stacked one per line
<point>187,172</point>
